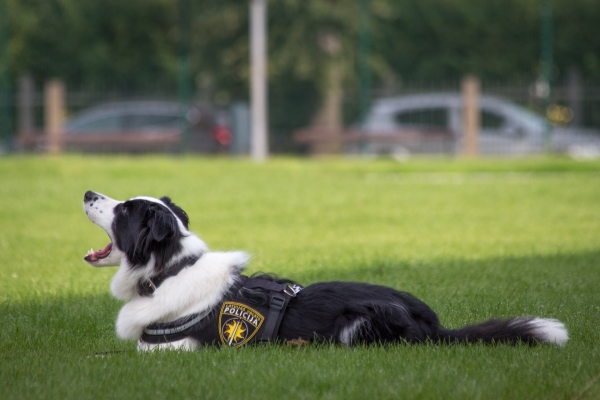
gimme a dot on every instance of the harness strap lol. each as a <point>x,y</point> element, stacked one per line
<point>278,301</point>
<point>277,307</point>
<point>260,283</point>
<point>176,326</point>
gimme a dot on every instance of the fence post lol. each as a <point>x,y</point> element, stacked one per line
<point>471,116</point>
<point>575,96</point>
<point>5,80</point>
<point>328,118</point>
<point>26,119</point>
<point>364,63</point>
<point>184,89</point>
<point>54,105</point>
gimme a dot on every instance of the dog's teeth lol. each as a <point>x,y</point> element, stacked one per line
<point>90,251</point>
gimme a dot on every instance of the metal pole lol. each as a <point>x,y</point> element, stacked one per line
<point>364,67</point>
<point>364,50</point>
<point>258,84</point>
<point>5,80</point>
<point>184,88</point>
<point>546,58</point>
<point>25,105</point>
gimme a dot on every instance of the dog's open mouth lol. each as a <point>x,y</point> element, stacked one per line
<point>98,255</point>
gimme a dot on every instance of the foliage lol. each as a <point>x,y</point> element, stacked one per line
<point>576,43</point>
<point>474,239</point>
<point>441,39</point>
<point>105,44</point>
<point>134,43</point>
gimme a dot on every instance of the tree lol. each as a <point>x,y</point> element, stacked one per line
<point>127,44</point>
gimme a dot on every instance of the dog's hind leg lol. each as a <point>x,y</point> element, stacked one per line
<point>377,322</point>
<point>354,330</point>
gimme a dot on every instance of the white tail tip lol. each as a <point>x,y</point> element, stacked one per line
<point>550,331</point>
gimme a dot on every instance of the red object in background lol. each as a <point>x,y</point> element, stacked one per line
<point>222,134</point>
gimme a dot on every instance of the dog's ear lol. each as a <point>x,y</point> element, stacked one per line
<point>160,236</point>
<point>162,224</point>
<point>182,215</point>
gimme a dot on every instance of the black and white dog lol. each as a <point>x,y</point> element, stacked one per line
<point>151,244</point>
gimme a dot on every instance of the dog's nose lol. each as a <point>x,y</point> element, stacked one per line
<point>89,196</point>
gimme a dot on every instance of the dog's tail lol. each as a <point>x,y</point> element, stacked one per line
<point>514,330</point>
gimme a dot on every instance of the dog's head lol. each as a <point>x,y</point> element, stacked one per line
<point>140,229</point>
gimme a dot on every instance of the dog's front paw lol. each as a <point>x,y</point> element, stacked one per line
<point>133,318</point>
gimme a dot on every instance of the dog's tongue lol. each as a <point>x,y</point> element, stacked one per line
<point>97,255</point>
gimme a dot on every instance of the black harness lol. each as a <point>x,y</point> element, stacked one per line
<point>251,311</point>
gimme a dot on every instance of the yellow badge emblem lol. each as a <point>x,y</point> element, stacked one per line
<point>238,323</point>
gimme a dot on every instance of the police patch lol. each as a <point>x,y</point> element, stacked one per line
<point>238,323</point>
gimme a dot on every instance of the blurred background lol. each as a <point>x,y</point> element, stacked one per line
<point>355,77</point>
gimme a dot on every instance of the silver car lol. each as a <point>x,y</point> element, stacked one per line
<point>506,128</point>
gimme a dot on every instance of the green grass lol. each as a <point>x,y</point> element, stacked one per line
<point>474,239</point>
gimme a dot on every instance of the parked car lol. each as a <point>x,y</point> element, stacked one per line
<point>506,128</point>
<point>142,126</point>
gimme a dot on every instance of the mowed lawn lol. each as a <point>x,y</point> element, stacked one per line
<point>474,239</point>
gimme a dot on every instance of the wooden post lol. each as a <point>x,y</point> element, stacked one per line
<point>328,119</point>
<point>471,116</point>
<point>54,105</point>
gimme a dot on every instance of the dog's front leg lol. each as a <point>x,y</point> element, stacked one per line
<point>134,317</point>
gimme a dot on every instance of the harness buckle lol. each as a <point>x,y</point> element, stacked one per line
<point>292,290</point>
<point>277,302</point>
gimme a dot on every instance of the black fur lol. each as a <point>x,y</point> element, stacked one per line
<point>145,229</point>
<point>323,310</point>
<point>182,215</point>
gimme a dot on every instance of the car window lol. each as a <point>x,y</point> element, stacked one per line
<point>151,121</point>
<point>427,117</point>
<point>491,120</point>
<point>101,124</point>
